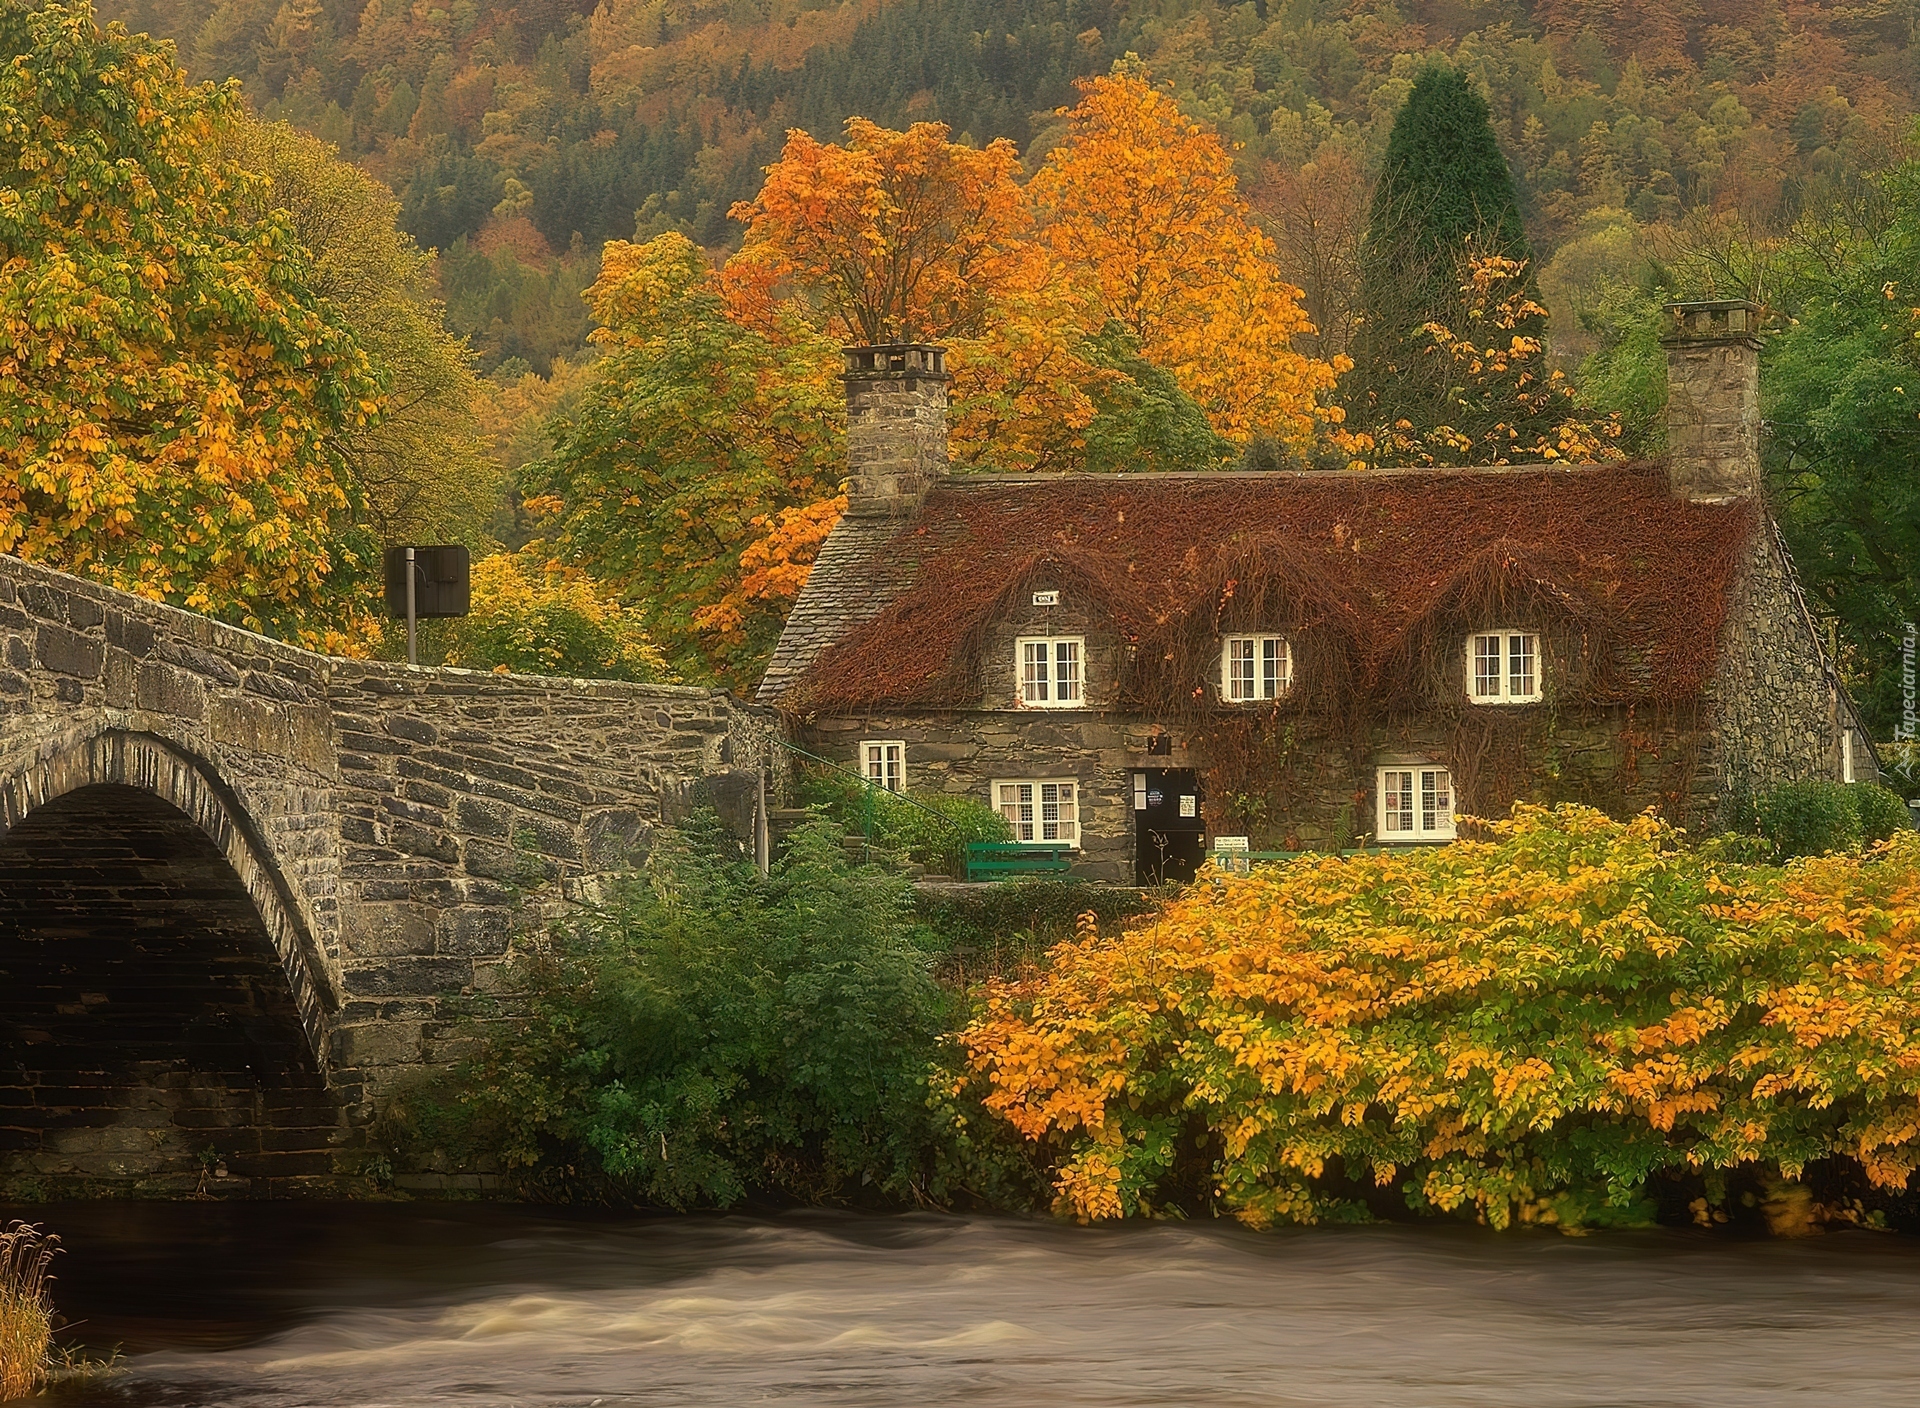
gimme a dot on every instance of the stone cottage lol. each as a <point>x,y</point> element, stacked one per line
<point>1129,665</point>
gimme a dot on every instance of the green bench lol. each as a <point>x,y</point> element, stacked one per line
<point>1000,860</point>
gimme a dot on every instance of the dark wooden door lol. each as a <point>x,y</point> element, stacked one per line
<point>1169,834</point>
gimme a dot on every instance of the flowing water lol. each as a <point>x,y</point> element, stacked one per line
<point>303,1306</point>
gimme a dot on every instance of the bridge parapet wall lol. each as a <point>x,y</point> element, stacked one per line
<point>473,806</point>
<point>397,827</point>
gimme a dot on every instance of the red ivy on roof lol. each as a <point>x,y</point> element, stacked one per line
<point>1375,561</point>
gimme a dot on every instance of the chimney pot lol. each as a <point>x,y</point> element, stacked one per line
<point>1713,399</point>
<point>896,427</point>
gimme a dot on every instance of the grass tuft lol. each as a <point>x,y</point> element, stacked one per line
<point>26,1310</point>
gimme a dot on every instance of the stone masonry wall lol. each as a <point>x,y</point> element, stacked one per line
<point>472,805</point>
<point>392,827</point>
<point>1775,703</point>
<point>1322,791</point>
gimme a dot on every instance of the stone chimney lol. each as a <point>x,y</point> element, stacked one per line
<point>1713,400</point>
<point>896,427</point>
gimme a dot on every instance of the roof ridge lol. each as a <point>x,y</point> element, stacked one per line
<point>959,479</point>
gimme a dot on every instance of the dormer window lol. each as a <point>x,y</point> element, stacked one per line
<point>1049,671</point>
<point>1253,668</point>
<point>1503,667</point>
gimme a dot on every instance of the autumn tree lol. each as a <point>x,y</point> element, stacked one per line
<point>1503,405</point>
<point>424,468</point>
<point>176,390</point>
<point>1443,196</point>
<point>533,615</point>
<point>699,471</point>
<point>894,237</point>
<point>1145,201</point>
<point>908,236</point>
<point>1317,215</point>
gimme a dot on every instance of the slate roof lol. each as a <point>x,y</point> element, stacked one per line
<point>850,582</point>
<point>890,607</point>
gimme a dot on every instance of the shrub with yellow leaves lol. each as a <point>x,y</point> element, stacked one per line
<point>1531,1027</point>
<point>534,616</point>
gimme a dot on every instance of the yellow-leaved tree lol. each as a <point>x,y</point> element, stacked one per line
<point>1503,405</point>
<point>424,469</point>
<point>174,393</point>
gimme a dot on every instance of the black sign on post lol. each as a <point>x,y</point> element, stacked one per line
<point>427,581</point>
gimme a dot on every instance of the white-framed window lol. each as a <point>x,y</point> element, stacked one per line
<point>1503,667</point>
<point>1050,671</point>
<point>1416,803</point>
<point>884,761</point>
<point>1253,668</point>
<point>1040,809</point>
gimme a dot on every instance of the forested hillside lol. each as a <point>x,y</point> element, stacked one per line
<point>654,221</point>
<point>521,136</point>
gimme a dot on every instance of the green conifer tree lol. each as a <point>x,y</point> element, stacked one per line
<point>1444,195</point>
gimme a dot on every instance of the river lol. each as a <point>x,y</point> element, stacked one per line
<point>307,1306</point>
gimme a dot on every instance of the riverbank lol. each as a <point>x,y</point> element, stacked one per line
<point>340,1306</point>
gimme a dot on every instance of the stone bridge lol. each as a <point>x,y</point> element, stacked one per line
<point>238,879</point>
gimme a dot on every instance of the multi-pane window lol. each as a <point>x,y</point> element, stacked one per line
<point>1050,671</point>
<point>1253,668</point>
<point>1503,667</point>
<point>1040,809</point>
<point>884,762</point>
<point>1416,803</point>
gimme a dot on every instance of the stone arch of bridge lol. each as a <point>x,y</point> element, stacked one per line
<point>160,1017</point>
<point>152,765</point>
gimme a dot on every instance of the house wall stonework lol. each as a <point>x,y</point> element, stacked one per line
<point>1776,707</point>
<point>1300,780</point>
<point>1320,792</point>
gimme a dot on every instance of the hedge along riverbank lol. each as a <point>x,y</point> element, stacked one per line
<point>1530,1027</point>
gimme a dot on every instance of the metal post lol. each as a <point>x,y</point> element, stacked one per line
<point>413,655</point>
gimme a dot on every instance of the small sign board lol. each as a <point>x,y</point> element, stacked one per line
<point>441,581</point>
<point>1046,598</point>
<point>1189,805</point>
<point>1230,854</point>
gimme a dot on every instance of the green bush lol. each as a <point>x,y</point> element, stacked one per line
<point>1809,818</point>
<point>714,1034</point>
<point>1882,813</point>
<point>1819,817</point>
<point>992,931</point>
<point>937,841</point>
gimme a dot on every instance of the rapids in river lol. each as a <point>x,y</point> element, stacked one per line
<point>308,1306</point>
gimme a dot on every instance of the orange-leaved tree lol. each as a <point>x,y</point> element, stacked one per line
<point>894,237</point>
<point>1144,199</point>
<point>908,236</point>
<point>173,392</point>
